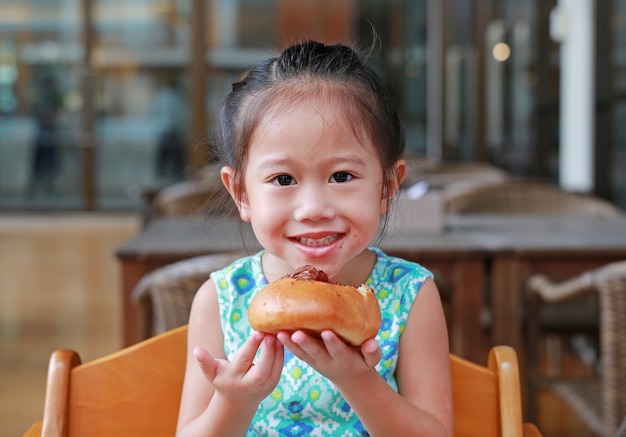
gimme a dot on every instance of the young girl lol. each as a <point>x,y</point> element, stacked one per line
<point>312,146</point>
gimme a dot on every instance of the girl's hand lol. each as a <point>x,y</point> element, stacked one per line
<point>241,379</point>
<point>330,356</point>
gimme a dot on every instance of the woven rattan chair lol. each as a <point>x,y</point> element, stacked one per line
<point>599,400</point>
<point>136,392</point>
<point>202,195</point>
<point>523,197</point>
<point>167,292</point>
<point>441,174</point>
<point>184,199</point>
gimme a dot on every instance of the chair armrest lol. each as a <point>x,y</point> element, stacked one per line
<point>57,397</point>
<point>550,291</point>
<point>530,430</point>
<point>141,291</point>
<point>503,362</point>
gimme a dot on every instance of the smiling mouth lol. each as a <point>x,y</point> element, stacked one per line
<point>317,242</point>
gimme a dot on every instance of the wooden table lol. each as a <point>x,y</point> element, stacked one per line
<point>559,247</point>
<point>472,255</point>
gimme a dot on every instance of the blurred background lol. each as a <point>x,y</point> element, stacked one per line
<point>100,100</point>
<point>104,103</point>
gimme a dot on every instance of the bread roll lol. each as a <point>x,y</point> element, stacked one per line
<point>307,301</point>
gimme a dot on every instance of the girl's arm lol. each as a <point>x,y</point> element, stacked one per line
<point>221,397</point>
<point>423,406</point>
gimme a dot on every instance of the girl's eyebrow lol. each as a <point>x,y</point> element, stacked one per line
<point>350,159</point>
<point>336,160</point>
<point>274,162</point>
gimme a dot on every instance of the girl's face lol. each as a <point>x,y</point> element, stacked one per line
<point>313,190</point>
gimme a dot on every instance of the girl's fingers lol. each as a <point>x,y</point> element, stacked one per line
<point>209,365</point>
<point>304,346</point>
<point>338,350</point>
<point>286,340</point>
<point>371,352</point>
<point>271,356</point>
<point>242,360</point>
<point>279,361</point>
<point>334,345</point>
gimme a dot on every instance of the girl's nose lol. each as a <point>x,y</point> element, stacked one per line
<point>314,204</point>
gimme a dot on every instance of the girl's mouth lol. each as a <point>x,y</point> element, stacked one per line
<point>317,242</point>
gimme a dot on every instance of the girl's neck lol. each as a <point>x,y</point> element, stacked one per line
<point>357,270</point>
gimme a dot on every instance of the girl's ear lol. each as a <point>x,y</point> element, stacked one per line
<point>394,183</point>
<point>230,181</point>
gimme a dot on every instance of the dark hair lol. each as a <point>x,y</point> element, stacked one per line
<point>311,69</point>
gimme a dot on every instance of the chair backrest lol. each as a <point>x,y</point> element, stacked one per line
<point>201,195</point>
<point>487,400</point>
<point>611,284</point>
<point>167,292</point>
<point>184,199</point>
<point>524,197</point>
<point>136,392</point>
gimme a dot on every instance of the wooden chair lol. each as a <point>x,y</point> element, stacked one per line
<point>600,400</point>
<point>167,292</point>
<point>136,392</point>
<point>487,400</point>
<point>132,392</point>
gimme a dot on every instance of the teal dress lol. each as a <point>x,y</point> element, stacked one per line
<point>305,403</point>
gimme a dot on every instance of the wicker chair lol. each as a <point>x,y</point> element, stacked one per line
<point>184,199</point>
<point>167,292</point>
<point>441,174</point>
<point>599,400</point>
<point>523,197</point>
<point>203,194</point>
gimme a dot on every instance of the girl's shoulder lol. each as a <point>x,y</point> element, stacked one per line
<point>397,283</point>
<point>242,273</point>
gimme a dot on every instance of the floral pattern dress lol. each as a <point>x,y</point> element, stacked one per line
<point>305,403</point>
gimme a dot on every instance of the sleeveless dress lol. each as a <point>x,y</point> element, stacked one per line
<point>305,403</point>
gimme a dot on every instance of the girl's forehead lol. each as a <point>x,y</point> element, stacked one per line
<point>309,126</point>
<point>315,115</point>
<point>334,115</point>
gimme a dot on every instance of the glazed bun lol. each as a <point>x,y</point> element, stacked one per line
<point>307,301</point>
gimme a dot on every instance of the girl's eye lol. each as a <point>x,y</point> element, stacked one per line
<point>284,179</point>
<point>340,177</point>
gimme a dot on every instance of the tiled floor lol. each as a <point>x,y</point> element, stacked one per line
<point>59,287</point>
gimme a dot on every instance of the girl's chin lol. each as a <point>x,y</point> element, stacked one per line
<point>327,266</point>
<point>288,262</point>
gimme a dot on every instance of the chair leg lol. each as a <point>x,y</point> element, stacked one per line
<point>532,353</point>
<point>554,355</point>
<point>621,431</point>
